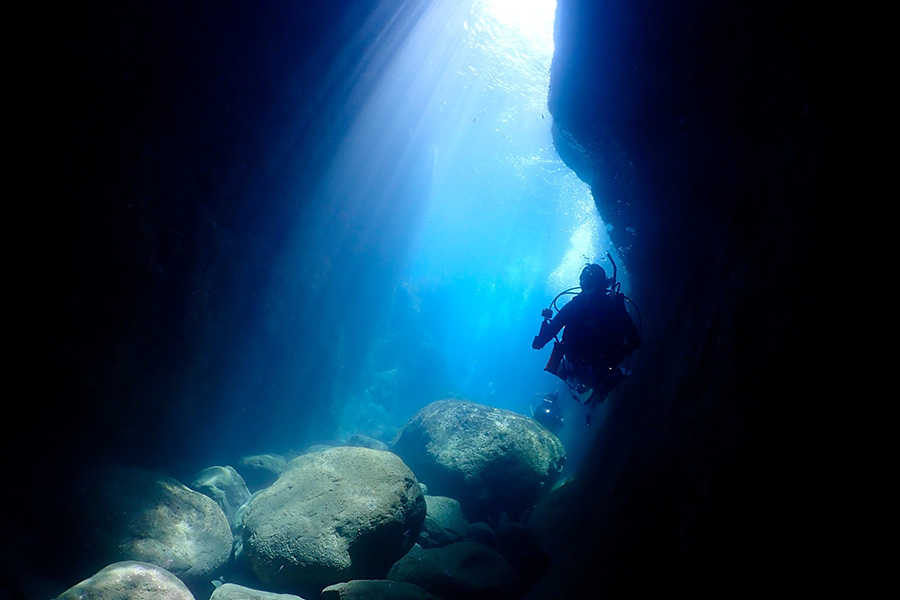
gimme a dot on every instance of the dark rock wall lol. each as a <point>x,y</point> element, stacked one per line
<point>715,138</point>
<point>165,158</point>
<point>170,156</point>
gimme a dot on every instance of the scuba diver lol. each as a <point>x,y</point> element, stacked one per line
<point>549,412</point>
<point>598,333</point>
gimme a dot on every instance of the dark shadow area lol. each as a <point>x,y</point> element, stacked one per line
<point>167,160</point>
<point>718,142</point>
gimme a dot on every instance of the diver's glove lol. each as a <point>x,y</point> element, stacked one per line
<point>536,343</point>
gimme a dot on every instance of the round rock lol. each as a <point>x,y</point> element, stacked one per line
<point>489,459</point>
<point>340,514</point>
<point>231,591</point>
<point>139,515</point>
<point>129,580</point>
<point>225,486</point>
<point>460,571</point>
<point>445,522</point>
<point>261,470</point>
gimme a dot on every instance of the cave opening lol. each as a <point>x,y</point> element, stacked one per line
<point>488,223</point>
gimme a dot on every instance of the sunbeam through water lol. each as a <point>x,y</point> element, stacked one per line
<point>495,224</point>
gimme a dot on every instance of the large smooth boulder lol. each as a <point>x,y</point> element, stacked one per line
<point>129,580</point>
<point>489,459</point>
<point>445,522</point>
<point>261,470</point>
<point>230,591</point>
<point>460,571</point>
<point>140,515</point>
<point>225,486</point>
<point>340,514</point>
<point>366,441</point>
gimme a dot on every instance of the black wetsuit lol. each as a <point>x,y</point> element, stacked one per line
<point>597,331</point>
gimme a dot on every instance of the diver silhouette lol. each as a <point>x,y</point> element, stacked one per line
<point>598,333</point>
<point>548,411</point>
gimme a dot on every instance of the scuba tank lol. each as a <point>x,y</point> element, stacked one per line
<point>555,364</point>
<point>613,289</point>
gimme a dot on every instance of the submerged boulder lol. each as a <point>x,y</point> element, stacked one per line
<point>340,514</point>
<point>489,459</point>
<point>365,441</point>
<point>131,580</point>
<point>139,515</point>
<point>445,522</point>
<point>460,571</point>
<point>225,486</point>
<point>261,470</point>
<point>230,591</point>
<point>376,589</point>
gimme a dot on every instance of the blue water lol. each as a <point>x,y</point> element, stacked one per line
<point>502,226</point>
<point>414,264</point>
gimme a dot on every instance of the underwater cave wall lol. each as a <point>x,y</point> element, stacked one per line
<point>166,156</point>
<point>714,139</point>
<point>173,155</point>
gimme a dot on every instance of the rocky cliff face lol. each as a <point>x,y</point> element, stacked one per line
<point>713,138</point>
